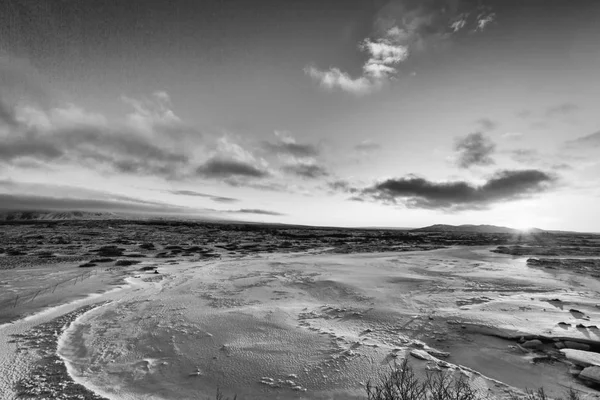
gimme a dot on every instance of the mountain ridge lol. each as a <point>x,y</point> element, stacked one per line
<point>475,229</point>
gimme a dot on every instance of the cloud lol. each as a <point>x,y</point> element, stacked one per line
<point>218,199</point>
<point>384,53</point>
<point>232,163</point>
<point>589,141</point>
<point>367,146</point>
<point>503,186</point>
<point>335,78</point>
<point>561,166</point>
<point>287,145</point>
<point>24,202</point>
<point>342,186</point>
<point>512,135</point>
<point>308,170</point>
<point>298,159</point>
<point>486,124</point>
<point>72,135</point>
<point>402,27</point>
<point>224,168</point>
<point>255,211</point>
<point>561,109</point>
<point>474,149</point>
<point>525,156</point>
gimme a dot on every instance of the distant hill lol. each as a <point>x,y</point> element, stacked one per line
<point>54,215</point>
<point>472,228</point>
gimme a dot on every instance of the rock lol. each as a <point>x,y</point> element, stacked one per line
<point>437,353</point>
<point>559,345</point>
<point>582,358</point>
<point>533,344</point>
<point>576,345</point>
<point>421,355</point>
<point>575,371</point>
<point>591,374</point>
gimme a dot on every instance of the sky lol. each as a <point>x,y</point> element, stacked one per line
<point>399,113</point>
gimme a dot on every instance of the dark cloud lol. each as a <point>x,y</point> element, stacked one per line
<point>85,140</point>
<point>474,149</point>
<point>46,203</point>
<point>561,109</point>
<point>218,199</point>
<point>291,148</point>
<point>123,151</point>
<point>367,146</point>
<point>591,140</point>
<point>416,192</point>
<point>227,168</point>
<point>486,124</point>
<point>310,171</point>
<point>256,211</point>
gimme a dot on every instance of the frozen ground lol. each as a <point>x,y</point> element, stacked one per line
<point>320,325</point>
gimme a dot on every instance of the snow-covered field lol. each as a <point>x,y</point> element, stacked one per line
<point>319,326</point>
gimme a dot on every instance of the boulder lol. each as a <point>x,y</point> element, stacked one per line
<point>576,345</point>
<point>422,355</point>
<point>437,353</point>
<point>591,374</point>
<point>582,358</point>
<point>533,344</point>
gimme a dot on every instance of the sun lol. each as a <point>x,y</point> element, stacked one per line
<point>523,226</point>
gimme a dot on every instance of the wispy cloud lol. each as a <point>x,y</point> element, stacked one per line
<point>310,170</point>
<point>384,54</point>
<point>299,159</point>
<point>525,156</point>
<point>417,192</point>
<point>474,149</point>
<point>22,202</point>
<point>343,186</point>
<point>255,211</point>
<point>403,27</point>
<point>286,144</point>
<point>192,193</point>
<point>486,124</point>
<point>561,109</point>
<point>591,140</point>
<point>512,135</point>
<point>367,146</point>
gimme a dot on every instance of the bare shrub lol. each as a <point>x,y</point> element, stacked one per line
<point>403,384</point>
